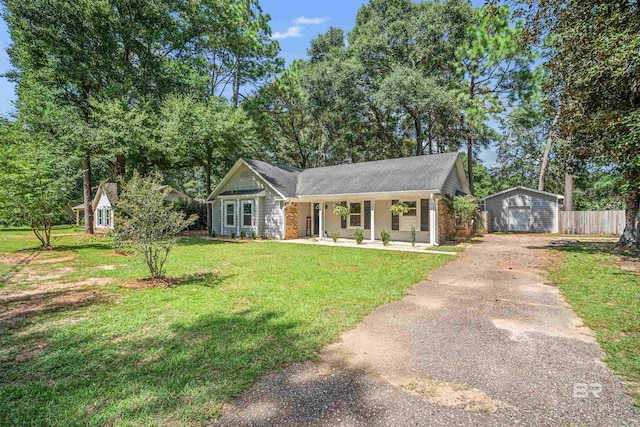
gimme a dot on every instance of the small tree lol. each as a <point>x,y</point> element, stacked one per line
<point>35,182</point>
<point>358,235</point>
<point>146,223</point>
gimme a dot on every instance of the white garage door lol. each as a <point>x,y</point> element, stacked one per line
<point>519,218</point>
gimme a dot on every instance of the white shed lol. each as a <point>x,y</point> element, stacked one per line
<point>523,210</point>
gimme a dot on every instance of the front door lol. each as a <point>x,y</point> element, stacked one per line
<point>316,218</point>
<point>519,218</point>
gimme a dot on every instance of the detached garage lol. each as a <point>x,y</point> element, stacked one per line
<point>523,210</point>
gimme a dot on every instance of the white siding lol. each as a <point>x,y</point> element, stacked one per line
<point>543,210</point>
<point>269,214</point>
<point>102,204</point>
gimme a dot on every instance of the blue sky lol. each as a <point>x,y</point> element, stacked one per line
<point>294,24</point>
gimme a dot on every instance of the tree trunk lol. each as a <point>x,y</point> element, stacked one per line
<point>631,236</point>
<point>119,167</point>
<point>568,190</point>
<point>547,151</point>
<point>470,160</point>
<point>418,127</point>
<point>207,173</point>
<point>86,189</point>
<point>236,84</point>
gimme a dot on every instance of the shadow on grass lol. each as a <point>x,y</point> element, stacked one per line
<point>180,374</point>
<point>209,280</point>
<point>593,248</point>
<point>205,241</point>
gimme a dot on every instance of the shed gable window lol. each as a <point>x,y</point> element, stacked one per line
<point>230,214</point>
<point>355,214</point>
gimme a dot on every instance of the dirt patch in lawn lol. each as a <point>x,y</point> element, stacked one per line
<point>140,284</point>
<point>44,290</point>
<point>21,310</point>
<point>454,395</point>
<point>32,258</point>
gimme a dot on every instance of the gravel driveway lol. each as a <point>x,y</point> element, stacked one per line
<point>486,341</point>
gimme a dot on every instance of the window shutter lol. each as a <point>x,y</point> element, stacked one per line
<point>395,219</point>
<point>367,214</point>
<point>343,220</point>
<point>424,214</point>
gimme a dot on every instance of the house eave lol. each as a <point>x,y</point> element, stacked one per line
<point>372,195</point>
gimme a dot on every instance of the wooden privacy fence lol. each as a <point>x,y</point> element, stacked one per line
<point>591,222</point>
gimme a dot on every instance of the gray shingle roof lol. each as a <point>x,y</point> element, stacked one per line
<point>419,173</point>
<point>282,178</point>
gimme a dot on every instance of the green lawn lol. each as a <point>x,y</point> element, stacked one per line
<point>607,298</point>
<point>106,354</point>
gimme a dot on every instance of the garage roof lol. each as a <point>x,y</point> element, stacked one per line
<point>520,187</point>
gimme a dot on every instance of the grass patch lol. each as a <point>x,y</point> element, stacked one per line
<point>603,287</point>
<point>173,355</point>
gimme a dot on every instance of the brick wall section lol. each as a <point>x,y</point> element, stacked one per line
<point>291,222</point>
<point>446,222</point>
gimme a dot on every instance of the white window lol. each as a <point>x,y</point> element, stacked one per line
<point>107,217</point>
<point>247,213</point>
<point>230,214</point>
<point>410,218</point>
<point>355,215</point>
<point>100,220</point>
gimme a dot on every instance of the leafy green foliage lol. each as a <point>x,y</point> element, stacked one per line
<point>146,223</point>
<point>413,235</point>
<point>385,236</point>
<point>341,210</point>
<point>34,184</point>
<point>358,236</point>
<point>399,208</point>
<point>463,209</point>
<point>335,236</point>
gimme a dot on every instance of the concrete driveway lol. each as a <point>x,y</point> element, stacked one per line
<point>486,341</point>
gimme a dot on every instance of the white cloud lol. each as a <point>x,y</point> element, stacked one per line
<point>303,20</point>
<point>291,32</point>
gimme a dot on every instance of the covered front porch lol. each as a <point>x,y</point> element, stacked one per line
<point>315,217</point>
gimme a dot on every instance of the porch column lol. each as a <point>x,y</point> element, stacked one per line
<point>77,216</point>
<point>433,221</point>
<point>237,218</point>
<point>256,215</point>
<point>373,222</point>
<point>222,203</point>
<point>321,221</point>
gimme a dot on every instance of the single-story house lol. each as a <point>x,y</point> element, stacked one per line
<point>105,199</point>
<point>524,210</point>
<point>284,202</point>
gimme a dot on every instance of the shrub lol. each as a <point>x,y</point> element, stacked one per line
<point>413,235</point>
<point>254,236</point>
<point>335,236</point>
<point>385,236</point>
<point>213,233</point>
<point>243,234</point>
<point>147,224</point>
<point>233,234</point>
<point>358,236</point>
<point>192,207</point>
<point>463,209</point>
